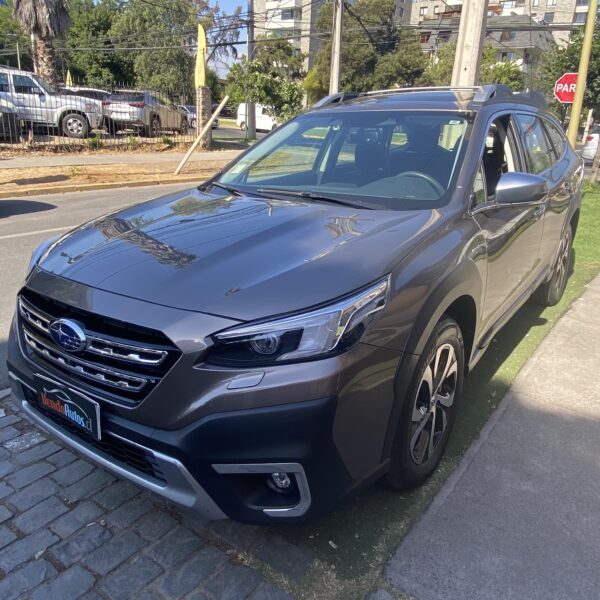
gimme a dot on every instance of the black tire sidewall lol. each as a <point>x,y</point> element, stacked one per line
<point>404,473</point>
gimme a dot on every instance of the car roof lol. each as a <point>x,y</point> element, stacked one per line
<point>434,98</point>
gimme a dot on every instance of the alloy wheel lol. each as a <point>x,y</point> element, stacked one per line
<point>434,399</point>
<point>563,263</point>
<point>74,126</point>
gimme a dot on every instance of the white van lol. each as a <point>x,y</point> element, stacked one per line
<point>264,122</point>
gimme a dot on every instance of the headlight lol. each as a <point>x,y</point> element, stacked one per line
<point>315,334</point>
<point>39,253</point>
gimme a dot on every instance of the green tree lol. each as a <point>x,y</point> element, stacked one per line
<point>91,25</point>
<point>281,97</point>
<point>491,70</point>
<point>566,60</point>
<point>375,53</point>
<point>10,34</point>
<point>278,57</point>
<point>47,20</point>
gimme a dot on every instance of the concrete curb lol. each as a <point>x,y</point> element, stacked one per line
<point>87,187</point>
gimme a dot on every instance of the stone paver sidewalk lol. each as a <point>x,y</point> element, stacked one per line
<point>69,529</point>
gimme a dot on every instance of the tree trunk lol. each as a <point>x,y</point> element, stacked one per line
<point>45,58</point>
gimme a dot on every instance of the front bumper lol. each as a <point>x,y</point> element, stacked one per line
<point>208,438</point>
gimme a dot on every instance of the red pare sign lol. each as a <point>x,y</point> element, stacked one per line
<point>564,88</point>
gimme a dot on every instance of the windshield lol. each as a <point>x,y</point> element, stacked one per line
<point>44,85</point>
<point>383,159</point>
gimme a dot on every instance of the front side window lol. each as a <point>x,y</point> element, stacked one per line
<point>537,148</point>
<point>378,159</point>
<point>24,85</point>
<point>498,154</point>
<point>3,82</point>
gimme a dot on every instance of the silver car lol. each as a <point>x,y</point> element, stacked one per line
<point>143,111</point>
<point>38,103</point>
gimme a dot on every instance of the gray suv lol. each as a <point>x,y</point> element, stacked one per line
<point>266,344</point>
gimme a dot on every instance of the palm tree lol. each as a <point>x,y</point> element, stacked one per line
<point>46,20</point>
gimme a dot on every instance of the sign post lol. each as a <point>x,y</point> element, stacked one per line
<point>564,88</point>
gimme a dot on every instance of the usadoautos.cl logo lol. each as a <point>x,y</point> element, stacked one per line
<point>68,334</point>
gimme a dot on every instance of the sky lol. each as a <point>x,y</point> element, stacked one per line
<point>228,7</point>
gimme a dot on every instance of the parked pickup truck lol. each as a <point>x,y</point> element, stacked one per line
<point>39,104</point>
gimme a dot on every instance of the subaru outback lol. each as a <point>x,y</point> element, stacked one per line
<point>300,325</point>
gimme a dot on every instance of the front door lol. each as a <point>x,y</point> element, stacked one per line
<point>30,100</point>
<point>513,233</point>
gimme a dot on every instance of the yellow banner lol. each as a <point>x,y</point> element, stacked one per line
<point>200,72</point>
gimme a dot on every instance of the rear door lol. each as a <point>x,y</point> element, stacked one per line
<point>513,233</point>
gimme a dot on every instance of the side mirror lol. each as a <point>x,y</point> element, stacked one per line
<point>516,188</point>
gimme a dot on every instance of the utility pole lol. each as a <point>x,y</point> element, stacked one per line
<point>584,61</point>
<point>336,47</point>
<point>18,56</point>
<point>469,44</point>
<point>250,107</point>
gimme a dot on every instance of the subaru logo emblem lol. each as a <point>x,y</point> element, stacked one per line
<point>68,335</point>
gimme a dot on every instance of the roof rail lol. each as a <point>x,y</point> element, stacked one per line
<point>493,92</point>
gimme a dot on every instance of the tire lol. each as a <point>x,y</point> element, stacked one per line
<point>154,129</point>
<point>76,126</point>
<point>550,292</point>
<point>185,127</point>
<point>243,126</point>
<point>413,459</point>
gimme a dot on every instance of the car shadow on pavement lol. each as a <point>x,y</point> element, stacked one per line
<point>9,208</point>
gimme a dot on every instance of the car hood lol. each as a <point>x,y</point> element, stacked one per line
<point>236,256</point>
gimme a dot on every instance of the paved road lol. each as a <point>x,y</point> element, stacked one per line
<point>25,223</point>
<point>69,529</point>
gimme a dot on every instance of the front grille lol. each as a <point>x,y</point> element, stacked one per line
<point>121,362</point>
<point>124,453</point>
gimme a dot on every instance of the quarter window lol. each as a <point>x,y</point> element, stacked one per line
<point>557,137</point>
<point>537,146</point>
<point>479,193</point>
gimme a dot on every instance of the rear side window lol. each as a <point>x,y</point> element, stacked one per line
<point>537,147</point>
<point>126,97</point>
<point>557,137</point>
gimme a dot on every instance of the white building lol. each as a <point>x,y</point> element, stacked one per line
<point>567,13</point>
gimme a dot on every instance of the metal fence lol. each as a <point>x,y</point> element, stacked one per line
<point>35,115</point>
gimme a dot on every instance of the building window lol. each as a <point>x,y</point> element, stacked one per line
<point>289,14</point>
<point>399,12</point>
<point>506,36</point>
<point>536,3</point>
<point>424,38</point>
<point>509,4</point>
<point>549,17</point>
<point>551,2</point>
<point>580,17</point>
<point>502,56</point>
<point>422,11</point>
<point>583,2</point>
<point>436,9</point>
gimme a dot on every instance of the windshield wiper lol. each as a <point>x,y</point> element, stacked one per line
<point>312,196</point>
<point>227,188</point>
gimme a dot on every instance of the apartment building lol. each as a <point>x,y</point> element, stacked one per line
<point>567,13</point>
<point>506,34</point>
<point>297,21</point>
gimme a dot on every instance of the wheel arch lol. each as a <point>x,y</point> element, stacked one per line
<point>73,111</point>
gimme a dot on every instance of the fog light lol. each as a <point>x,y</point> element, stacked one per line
<point>281,480</point>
